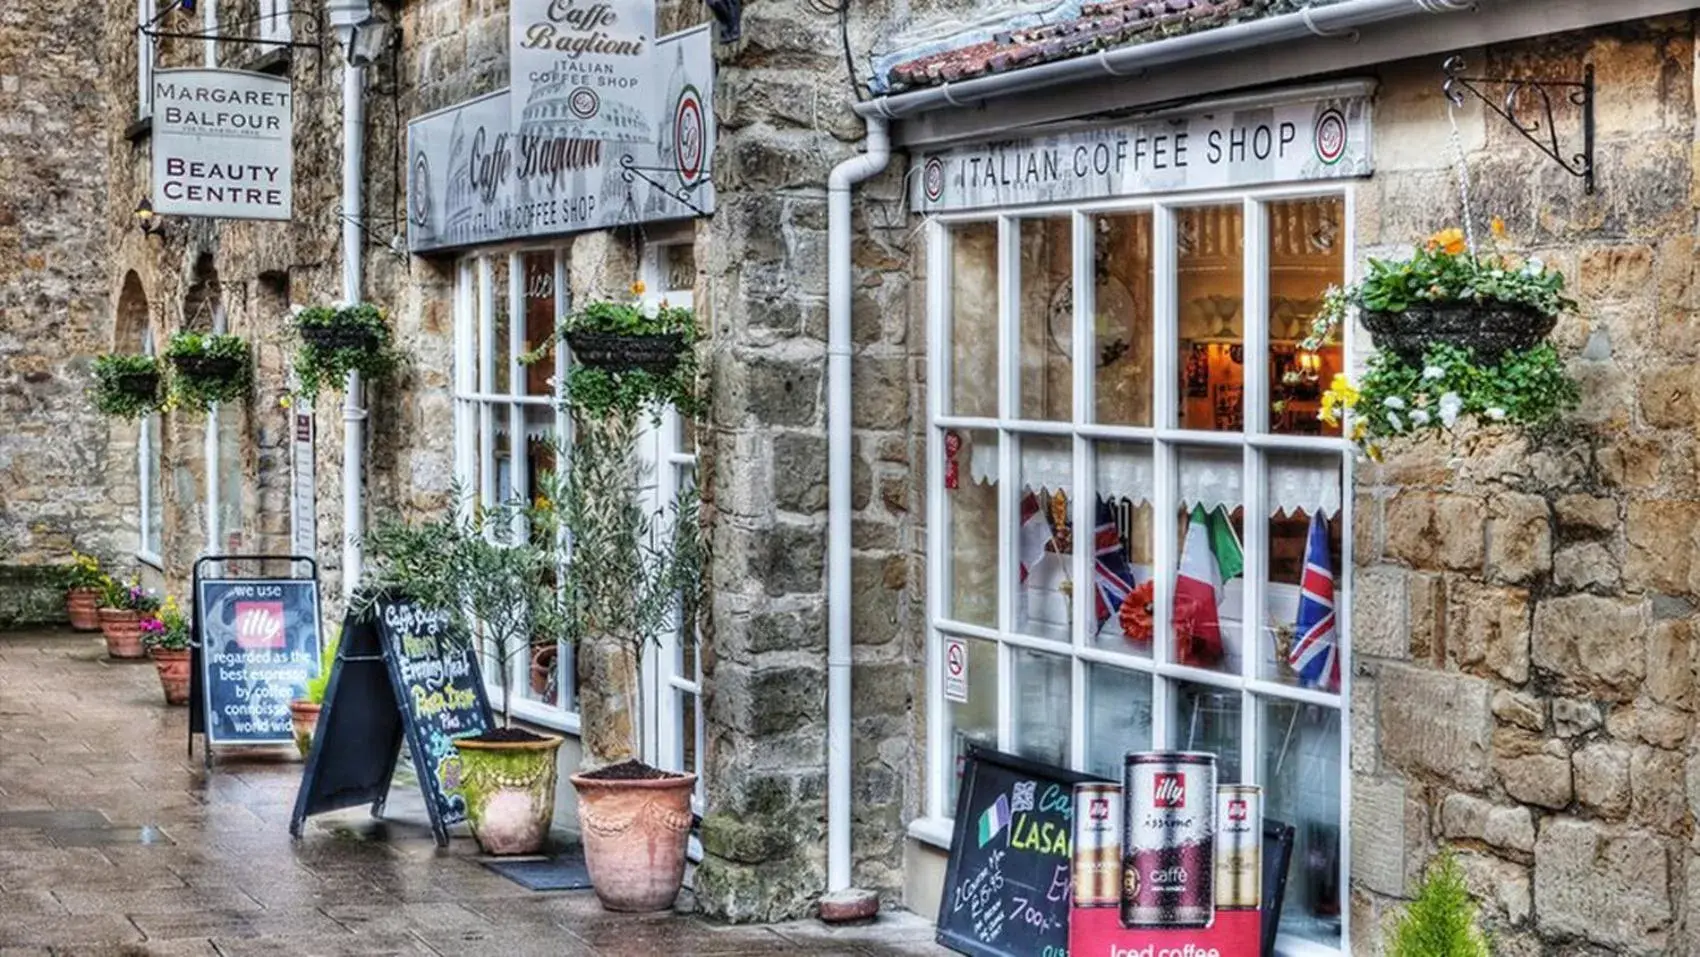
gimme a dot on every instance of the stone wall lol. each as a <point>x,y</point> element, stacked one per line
<point>1524,611</point>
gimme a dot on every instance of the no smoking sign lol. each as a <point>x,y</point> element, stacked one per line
<point>956,670</point>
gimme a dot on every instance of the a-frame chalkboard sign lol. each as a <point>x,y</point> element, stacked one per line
<point>402,673</point>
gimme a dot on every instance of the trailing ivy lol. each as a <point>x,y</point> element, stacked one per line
<point>337,340</point>
<point>128,386</point>
<point>207,368</point>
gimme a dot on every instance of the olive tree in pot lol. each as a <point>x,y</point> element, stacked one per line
<point>633,576</point>
<point>495,571</point>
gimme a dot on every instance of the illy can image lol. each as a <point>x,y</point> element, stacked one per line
<point>1239,847</point>
<point>1096,871</point>
<point>1168,839</point>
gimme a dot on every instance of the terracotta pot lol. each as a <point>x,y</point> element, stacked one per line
<point>83,606</point>
<point>123,631</point>
<point>304,717</point>
<point>173,667</point>
<point>542,671</point>
<point>635,835</point>
<point>509,789</point>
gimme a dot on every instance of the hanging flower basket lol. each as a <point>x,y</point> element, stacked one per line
<point>658,354</point>
<point>207,367</point>
<point>629,357</point>
<point>339,337</point>
<point>210,368</point>
<point>338,340</point>
<point>128,386</point>
<point>138,385</point>
<point>1490,329</point>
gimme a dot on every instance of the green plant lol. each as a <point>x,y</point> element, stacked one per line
<point>166,628</point>
<point>600,391</point>
<point>1441,921</point>
<point>337,340</point>
<point>317,684</point>
<point>128,386</point>
<point>129,596</point>
<point>207,368</point>
<point>493,569</point>
<point>83,572</point>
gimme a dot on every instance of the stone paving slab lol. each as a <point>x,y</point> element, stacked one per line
<point>114,843</point>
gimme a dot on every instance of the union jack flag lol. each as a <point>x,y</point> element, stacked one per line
<point>1112,574</point>
<point>1316,651</point>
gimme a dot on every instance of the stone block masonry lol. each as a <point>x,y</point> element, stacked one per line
<point>1531,700</point>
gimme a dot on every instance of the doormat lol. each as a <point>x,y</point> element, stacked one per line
<point>563,872</point>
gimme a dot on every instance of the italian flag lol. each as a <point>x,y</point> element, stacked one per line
<point>1198,591</point>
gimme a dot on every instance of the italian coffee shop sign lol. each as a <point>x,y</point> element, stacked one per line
<point>1311,139</point>
<point>222,144</point>
<point>583,69</point>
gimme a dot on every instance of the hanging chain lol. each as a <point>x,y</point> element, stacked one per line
<point>1463,176</point>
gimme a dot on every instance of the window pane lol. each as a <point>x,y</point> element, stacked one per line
<point>1306,256</point>
<point>1118,717</point>
<point>1121,570</point>
<point>1043,704</point>
<point>1207,718</point>
<point>971,526</point>
<point>154,521</point>
<point>1045,540</point>
<point>539,318</point>
<point>1209,584</point>
<point>1301,775</point>
<point>974,320</point>
<point>974,721</point>
<point>1047,319</point>
<point>687,705</point>
<point>1121,319</point>
<point>1210,264</point>
<point>498,344</point>
<point>1301,637</point>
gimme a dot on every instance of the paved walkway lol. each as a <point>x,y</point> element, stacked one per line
<point>112,841</point>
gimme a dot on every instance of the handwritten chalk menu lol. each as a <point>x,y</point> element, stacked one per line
<point>1006,888</point>
<point>402,674</point>
<point>259,644</point>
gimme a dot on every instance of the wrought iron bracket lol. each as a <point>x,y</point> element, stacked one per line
<point>1528,107</point>
<point>630,172</point>
<point>311,19</point>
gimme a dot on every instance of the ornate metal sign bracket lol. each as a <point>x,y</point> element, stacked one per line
<point>312,28</point>
<point>630,172</point>
<point>1528,107</point>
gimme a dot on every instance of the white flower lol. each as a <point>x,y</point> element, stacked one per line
<point>1394,420</point>
<point>1432,373</point>
<point>1393,402</point>
<point>650,309</point>
<point>1450,405</point>
<point>1496,413</point>
<point>551,383</point>
<point>1535,267</point>
<point>296,309</point>
<point>1419,417</point>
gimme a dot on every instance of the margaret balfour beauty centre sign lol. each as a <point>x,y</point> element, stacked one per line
<point>1308,138</point>
<point>222,144</point>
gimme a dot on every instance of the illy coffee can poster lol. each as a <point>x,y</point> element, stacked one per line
<point>259,646</point>
<point>1183,843</point>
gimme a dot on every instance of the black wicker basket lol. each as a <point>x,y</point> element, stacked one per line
<point>339,337</point>
<point>1491,329</point>
<point>208,367</point>
<point>142,385</point>
<point>658,354</point>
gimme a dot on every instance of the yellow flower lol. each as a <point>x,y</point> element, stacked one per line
<point>1448,241</point>
<point>285,402</point>
<point>1498,228</point>
<point>542,504</point>
<point>638,288</point>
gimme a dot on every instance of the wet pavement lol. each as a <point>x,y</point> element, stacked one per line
<point>114,842</point>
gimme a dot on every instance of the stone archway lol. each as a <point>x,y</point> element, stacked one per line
<point>131,319</point>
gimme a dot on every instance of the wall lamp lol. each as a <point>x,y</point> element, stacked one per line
<point>366,33</point>
<point>148,221</point>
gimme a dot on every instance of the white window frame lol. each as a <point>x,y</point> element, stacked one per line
<point>476,406</point>
<point>274,20</point>
<point>148,466</point>
<point>1165,441</point>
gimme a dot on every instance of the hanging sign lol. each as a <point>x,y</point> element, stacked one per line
<point>583,69</point>
<point>303,514</point>
<point>1313,139</point>
<point>222,144</point>
<point>474,179</point>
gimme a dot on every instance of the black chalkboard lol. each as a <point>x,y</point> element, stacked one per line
<point>1277,857</point>
<point>256,645</point>
<point>1006,887</point>
<point>402,674</point>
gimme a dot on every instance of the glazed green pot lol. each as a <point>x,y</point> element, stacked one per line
<point>509,788</point>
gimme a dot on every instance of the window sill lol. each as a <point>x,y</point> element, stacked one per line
<point>934,831</point>
<point>139,130</point>
<point>1298,947</point>
<point>532,712</point>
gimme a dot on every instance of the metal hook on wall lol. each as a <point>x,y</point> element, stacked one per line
<point>1528,106</point>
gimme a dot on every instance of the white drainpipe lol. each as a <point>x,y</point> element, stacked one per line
<point>838,645</point>
<point>345,17</point>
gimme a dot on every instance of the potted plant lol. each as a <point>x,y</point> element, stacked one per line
<point>495,570</point>
<point>165,632</point>
<point>1459,335</point>
<point>121,610</point>
<point>304,712</point>
<point>84,584</point>
<point>128,386</point>
<point>628,582</point>
<point>339,339</point>
<point>1441,921</point>
<point>207,369</point>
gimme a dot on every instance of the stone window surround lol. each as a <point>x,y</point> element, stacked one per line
<point>936,825</point>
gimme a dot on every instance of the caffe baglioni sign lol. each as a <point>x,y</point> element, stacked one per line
<point>474,178</point>
<point>1312,138</point>
<point>583,69</point>
<point>222,144</point>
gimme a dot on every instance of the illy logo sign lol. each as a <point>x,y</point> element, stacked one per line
<point>1170,790</point>
<point>1099,810</point>
<point>1237,810</point>
<point>259,624</point>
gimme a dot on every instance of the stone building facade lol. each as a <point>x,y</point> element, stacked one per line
<point>1520,615</point>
